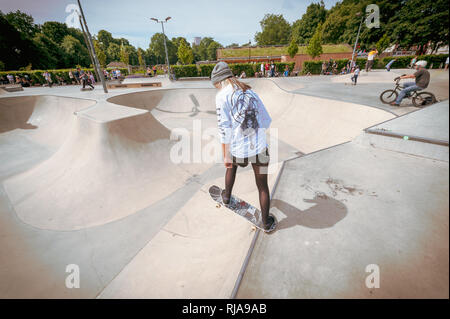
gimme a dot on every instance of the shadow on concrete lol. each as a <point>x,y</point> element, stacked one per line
<point>325,214</point>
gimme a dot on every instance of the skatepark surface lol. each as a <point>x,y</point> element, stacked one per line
<point>89,178</point>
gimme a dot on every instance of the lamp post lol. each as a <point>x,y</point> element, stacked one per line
<point>357,37</point>
<point>165,45</point>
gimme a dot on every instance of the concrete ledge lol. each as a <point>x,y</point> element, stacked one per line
<point>134,85</point>
<point>11,87</point>
<point>194,78</point>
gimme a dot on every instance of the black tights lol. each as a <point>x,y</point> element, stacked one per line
<point>261,183</point>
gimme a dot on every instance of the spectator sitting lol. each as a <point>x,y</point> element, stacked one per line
<point>243,75</point>
<point>25,83</point>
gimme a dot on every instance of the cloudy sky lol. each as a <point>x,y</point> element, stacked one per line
<point>227,21</point>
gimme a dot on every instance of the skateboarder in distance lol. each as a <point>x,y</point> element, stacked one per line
<point>242,120</point>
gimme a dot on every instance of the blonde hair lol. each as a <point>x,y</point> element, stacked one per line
<point>237,85</point>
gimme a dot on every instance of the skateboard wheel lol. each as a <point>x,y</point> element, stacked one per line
<point>218,206</point>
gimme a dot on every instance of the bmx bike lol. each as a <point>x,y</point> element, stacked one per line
<point>419,99</point>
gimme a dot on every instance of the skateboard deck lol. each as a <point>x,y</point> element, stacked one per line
<point>241,207</point>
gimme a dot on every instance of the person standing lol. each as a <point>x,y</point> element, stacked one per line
<point>370,59</point>
<point>355,75</point>
<point>10,78</point>
<point>413,62</point>
<point>91,78</point>
<point>272,69</point>
<point>85,79</point>
<point>48,78</point>
<point>77,75</point>
<point>324,68</point>
<point>446,64</point>
<point>286,71</point>
<point>242,120</point>
<point>71,77</point>
<point>262,69</point>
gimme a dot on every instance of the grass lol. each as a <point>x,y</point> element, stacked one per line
<point>271,51</point>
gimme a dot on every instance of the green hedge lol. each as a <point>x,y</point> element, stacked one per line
<point>182,71</point>
<point>236,68</point>
<point>36,76</point>
<point>403,61</point>
<point>280,66</point>
<point>315,67</point>
<point>206,69</point>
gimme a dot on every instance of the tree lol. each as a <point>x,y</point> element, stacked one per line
<point>232,45</point>
<point>293,47</point>
<point>74,52</point>
<point>157,48</point>
<point>275,30</point>
<point>185,54</point>
<point>105,38</point>
<point>314,48</point>
<point>141,57</point>
<point>150,58</point>
<point>212,50</point>
<point>201,51</point>
<point>17,49</point>
<point>305,27</point>
<point>112,52</point>
<point>420,22</point>
<point>101,55</point>
<point>383,43</point>
<point>51,55</point>
<point>23,23</point>
<point>124,55</point>
<point>177,42</point>
<point>55,30</point>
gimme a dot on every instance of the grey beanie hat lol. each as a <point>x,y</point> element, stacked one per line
<point>220,72</point>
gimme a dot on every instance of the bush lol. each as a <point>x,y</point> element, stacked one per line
<point>206,69</point>
<point>280,66</point>
<point>182,71</point>
<point>36,77</point>
<point>248,68</point>
<point>403,62</point>
<point>313,67</point>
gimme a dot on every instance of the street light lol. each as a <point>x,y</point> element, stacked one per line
<point>357,37</point>
<point>164,36</point>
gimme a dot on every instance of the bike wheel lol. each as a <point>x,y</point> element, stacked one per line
<point>423,99</point>
<point>388,96</point>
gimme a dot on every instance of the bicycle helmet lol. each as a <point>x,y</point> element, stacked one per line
<point>421,63</point>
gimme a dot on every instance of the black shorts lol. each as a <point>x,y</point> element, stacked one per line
<point>261,159</point>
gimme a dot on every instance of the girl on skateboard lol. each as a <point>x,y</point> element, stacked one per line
<point>242,120</point>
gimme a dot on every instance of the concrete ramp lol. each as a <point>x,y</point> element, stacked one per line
<point>361,207</point>
<point>113,162</point>
<point>32,128</point>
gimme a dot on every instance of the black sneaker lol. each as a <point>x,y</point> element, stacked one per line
<point>225,200</point>
<point>270,222</point>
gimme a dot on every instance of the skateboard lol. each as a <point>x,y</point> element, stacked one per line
<point>242,208</point>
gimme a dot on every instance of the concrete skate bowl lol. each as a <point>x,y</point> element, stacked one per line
<point>34,127</point>
<point>174,108</point>
<point>109,162</point>
<point>304,123</point>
